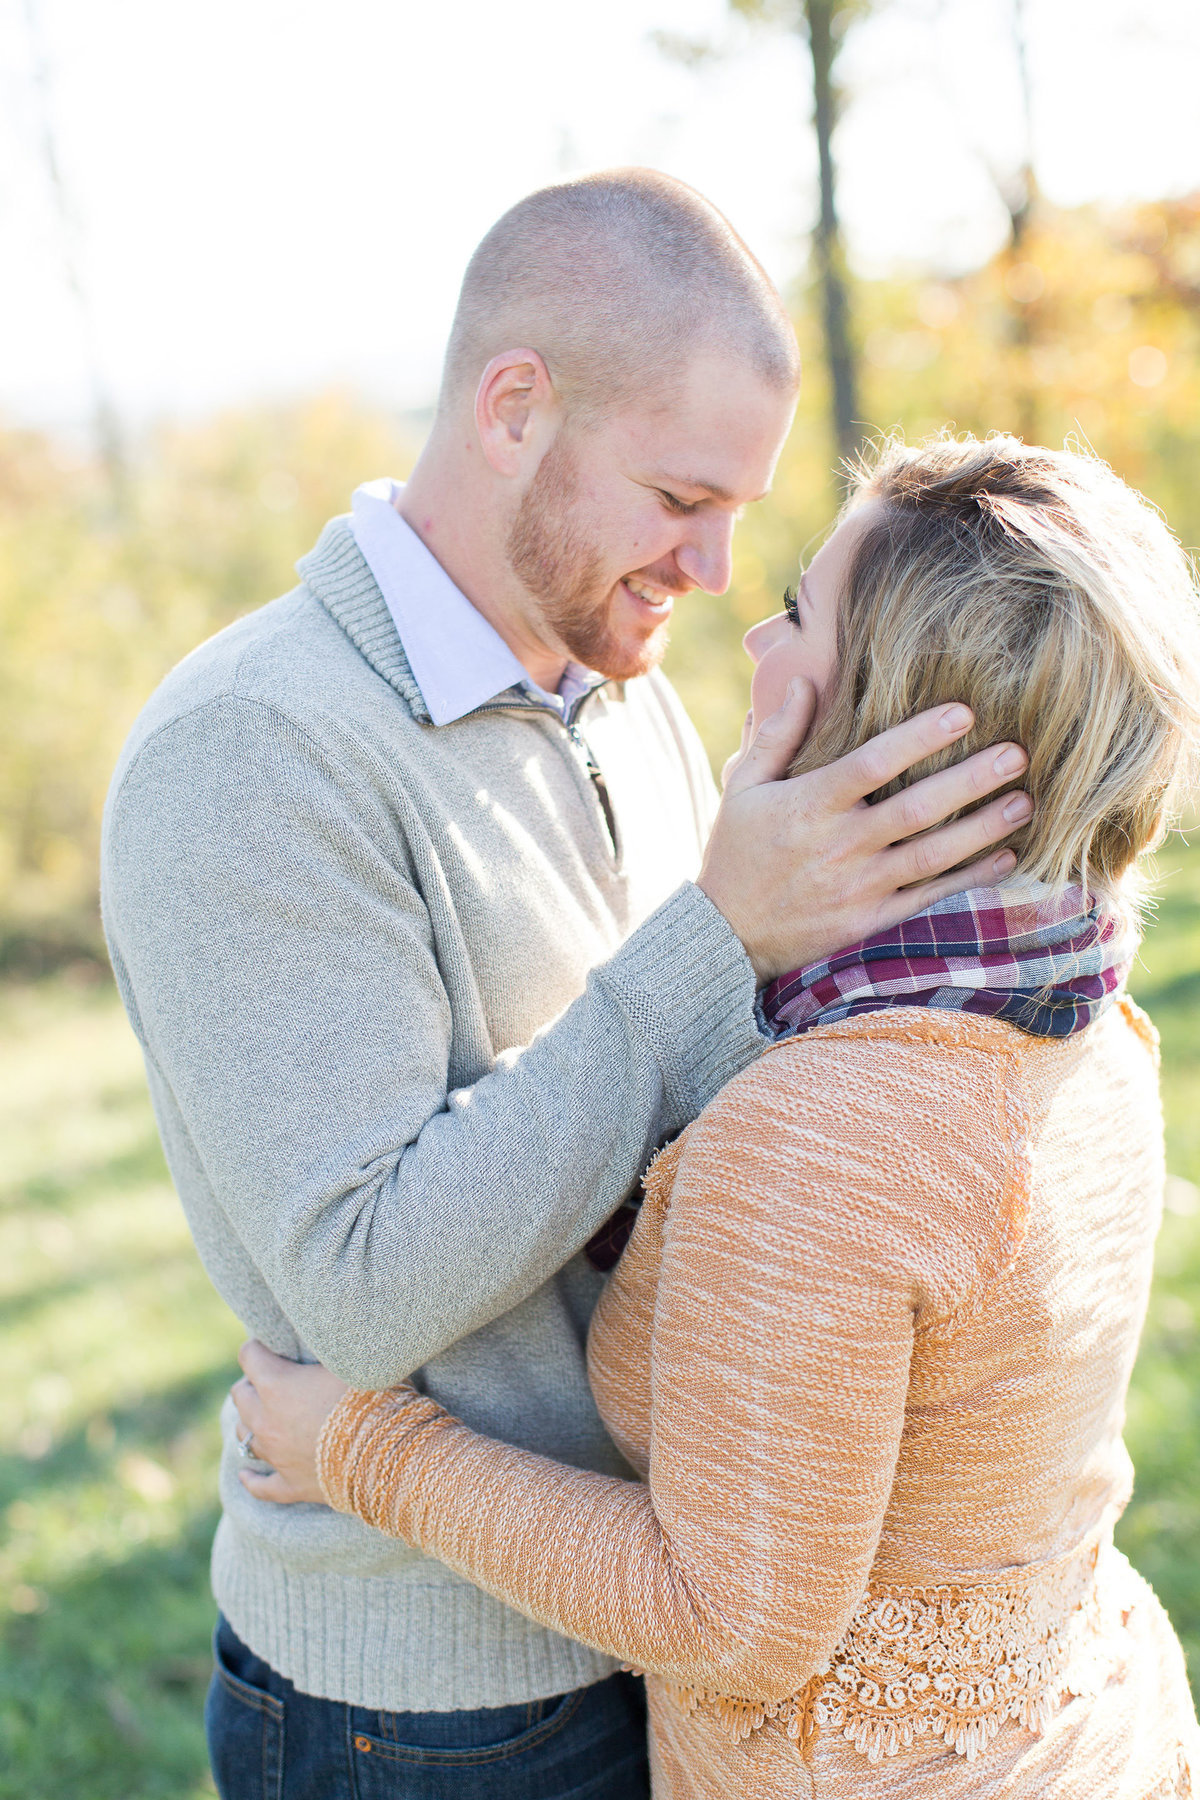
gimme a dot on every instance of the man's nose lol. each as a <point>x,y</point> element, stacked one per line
<point>706,554</point>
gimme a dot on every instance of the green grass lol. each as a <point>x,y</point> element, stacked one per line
<point>116,1353</point>
<point>1160,1533</point>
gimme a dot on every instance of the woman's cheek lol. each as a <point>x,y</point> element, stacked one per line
<point>769,683</point>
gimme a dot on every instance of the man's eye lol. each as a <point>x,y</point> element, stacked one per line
<point>674,504</point>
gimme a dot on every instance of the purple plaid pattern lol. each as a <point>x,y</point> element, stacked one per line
<point>1043,961</point>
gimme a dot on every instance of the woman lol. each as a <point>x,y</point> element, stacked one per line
<point>868,1346</point>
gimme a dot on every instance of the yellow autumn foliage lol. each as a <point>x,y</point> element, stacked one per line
<point>1089,332</point>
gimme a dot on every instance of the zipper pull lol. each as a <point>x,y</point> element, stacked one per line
<point>601,786</point>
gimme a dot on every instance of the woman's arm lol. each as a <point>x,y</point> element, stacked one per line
<point>823,1207</point>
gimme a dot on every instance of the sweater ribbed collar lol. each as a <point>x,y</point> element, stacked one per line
<point>336,571</point>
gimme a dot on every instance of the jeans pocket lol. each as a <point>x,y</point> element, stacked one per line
<point>243,1722</point>
<point>461,1740</point>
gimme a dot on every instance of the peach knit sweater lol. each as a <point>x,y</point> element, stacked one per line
<point>867,1351</point>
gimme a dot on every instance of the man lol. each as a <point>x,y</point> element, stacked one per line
<point>398,884</point>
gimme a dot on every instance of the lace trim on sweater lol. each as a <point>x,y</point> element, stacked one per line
<point>952,1662</point>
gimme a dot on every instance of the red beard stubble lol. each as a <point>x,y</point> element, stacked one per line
<point>551,555</point>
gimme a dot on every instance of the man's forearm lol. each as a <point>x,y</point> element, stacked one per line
<point>291,994</point>
<point>510,1179</point>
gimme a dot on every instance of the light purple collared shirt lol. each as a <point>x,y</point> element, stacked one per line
<point>458,660</point>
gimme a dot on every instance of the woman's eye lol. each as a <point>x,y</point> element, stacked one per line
<point>791,606</point>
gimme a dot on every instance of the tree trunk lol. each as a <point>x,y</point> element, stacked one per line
<point>108,437</point>
<point>1020,199</point>
<point>827,243</point>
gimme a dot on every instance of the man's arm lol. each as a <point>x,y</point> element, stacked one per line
<point>280,965</point>
<point>282,970</point>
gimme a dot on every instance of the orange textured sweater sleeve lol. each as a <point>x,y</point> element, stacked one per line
<point>850,1189</point>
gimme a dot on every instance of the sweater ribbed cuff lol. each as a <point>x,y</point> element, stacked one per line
<point>337,1441</point>
<point>367,1450</point>
<point>688,987</point>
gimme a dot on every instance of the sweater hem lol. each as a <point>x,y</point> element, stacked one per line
<point>381,1643</point>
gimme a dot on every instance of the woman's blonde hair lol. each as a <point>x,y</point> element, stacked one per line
<point>1037,587</point>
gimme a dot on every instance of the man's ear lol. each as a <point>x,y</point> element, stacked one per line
<point>516,410</point>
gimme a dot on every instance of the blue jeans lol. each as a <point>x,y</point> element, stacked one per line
<point>268,1741</point>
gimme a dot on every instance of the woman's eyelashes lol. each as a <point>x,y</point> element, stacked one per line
<point>791,606</point>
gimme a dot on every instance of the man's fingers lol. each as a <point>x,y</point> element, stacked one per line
<point>731,762</point>
<point>996,866</point>
<point>910,901</point>
<point>919,808</point>
<point>777,739</point>
<point>873,765</point>
<point>926,858</point>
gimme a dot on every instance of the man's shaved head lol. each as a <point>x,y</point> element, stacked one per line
<point>619,383</point>
<point>616,280</point>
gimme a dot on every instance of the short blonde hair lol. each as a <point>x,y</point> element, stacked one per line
<point>1038,588</point>
<point>616,279</point>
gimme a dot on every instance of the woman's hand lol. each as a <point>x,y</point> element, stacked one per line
<point>282,1406</point>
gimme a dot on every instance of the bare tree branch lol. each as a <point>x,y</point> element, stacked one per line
<point>107,429</point>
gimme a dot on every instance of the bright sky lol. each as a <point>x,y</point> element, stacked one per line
<point>273,195</point>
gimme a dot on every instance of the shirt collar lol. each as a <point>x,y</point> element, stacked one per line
<point>458,660</point>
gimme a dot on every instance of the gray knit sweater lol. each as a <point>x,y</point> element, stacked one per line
<point>412,1026</point>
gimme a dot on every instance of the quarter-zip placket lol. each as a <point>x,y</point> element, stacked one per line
<point>597,774</point>
<point>567,721</point>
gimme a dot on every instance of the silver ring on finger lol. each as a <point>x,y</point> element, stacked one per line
<point>245,1448</point>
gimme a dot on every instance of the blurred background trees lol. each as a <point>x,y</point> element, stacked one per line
<point>823,25</point>
<point>1085,329</point>
<point>96,605</point>
<point>115,561</point>
<point>117,1346</point>
<point>123,544</point>
<point>1088,335</point>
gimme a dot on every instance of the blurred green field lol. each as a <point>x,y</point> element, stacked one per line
<point>116,1353</point>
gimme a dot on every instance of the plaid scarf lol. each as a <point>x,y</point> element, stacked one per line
<point>1041,960</point>
<point>1023,953</point>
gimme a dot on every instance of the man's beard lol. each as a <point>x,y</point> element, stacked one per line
<point>551,555</point>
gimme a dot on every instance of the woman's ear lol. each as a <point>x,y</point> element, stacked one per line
<point>516,411</point>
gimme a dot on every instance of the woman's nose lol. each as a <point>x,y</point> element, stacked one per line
<point>760,638</point>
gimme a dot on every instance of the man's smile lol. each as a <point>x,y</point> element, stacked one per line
<point>654,600</point>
